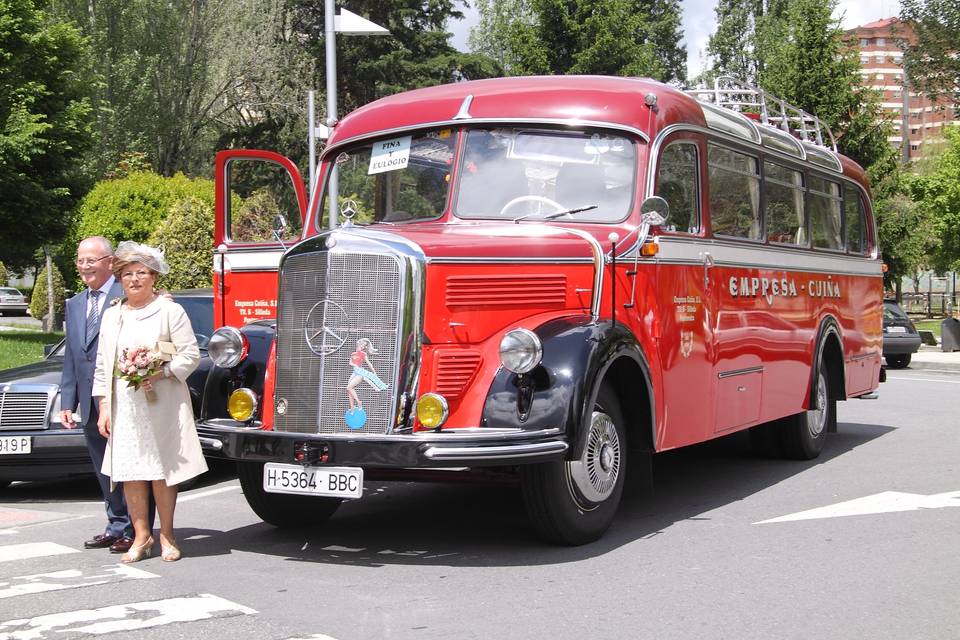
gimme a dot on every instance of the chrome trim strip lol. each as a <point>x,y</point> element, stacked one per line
<point>519,122</point>
<point>464,112</point>
<point>497,453</point>
<point>262,260</point>
<point>211,443</point>
<point>488,260</point>
<point>864,356</point>
<point>739,372</point>
<point>462,434</point>
<point>598,264</point>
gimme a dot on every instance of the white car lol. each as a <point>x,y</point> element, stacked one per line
<point>12,302</point>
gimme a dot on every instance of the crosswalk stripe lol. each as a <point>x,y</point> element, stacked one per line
<point>70,579</point>
<point>122,617</point>
<point>33,550</point>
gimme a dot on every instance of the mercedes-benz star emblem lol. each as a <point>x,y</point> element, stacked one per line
<point>326,328</point>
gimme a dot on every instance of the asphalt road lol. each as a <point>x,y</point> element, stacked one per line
<point>876,559</point>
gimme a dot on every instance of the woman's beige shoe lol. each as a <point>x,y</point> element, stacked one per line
<point>169,553</point>
<point>138,553</point>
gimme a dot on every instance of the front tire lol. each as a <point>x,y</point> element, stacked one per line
<point>573,502</point>
<point>280,509</point>
<point>803,434</point>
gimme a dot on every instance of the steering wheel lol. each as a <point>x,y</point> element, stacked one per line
<point>540,199</point>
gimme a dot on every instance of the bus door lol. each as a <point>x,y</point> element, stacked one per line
<point>260,207</point>
<point>684,295</point>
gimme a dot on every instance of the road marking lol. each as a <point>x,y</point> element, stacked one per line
<point>924,379</point>
<point>886,502</point>
<point>70,579</point>
<point>33,550</point>
<point>121,617</point>
<point>186,497</point>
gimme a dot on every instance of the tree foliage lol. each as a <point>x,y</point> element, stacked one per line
<point>186,235</point>
<point>45,126</point>
<point>932,63</point>
<point>3,274</point>
<point>936,190</point>
<point>616,37</point>
<point>38,300</point>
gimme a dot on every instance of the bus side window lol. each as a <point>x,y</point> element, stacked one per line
<point>783,209</point>
<point>854,218</point>
<point>826,223</point>
<point>677,183</point>
<point>734,193</point>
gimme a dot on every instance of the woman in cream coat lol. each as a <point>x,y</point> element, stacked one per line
<point>152,439</point>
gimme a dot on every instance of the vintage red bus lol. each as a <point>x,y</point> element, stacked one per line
<point>552,277</point>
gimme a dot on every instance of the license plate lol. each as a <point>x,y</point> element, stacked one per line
<point>14,444</point>
<point>896,329</point>
<point>331,482</point>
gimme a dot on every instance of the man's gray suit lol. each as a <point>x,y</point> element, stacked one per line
<point>79,363</point>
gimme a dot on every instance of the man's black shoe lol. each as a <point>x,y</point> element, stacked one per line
<point>100,542</point>
<point>122,545</point>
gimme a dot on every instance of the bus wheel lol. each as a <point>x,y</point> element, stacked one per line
<point>279,509</point>
<point>573,502</point>
<point>804,433</point>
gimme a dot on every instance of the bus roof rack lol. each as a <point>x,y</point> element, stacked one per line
<point>730,93</point>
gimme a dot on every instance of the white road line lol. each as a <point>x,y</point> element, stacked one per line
<point>33,550</point>
<point>924,379</point>
<point>886,502</point>
<point>186,497</point>
<point>121,617</point>
<point>70,579</point>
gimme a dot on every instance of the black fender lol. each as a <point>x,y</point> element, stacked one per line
<point>557,394</point>
<point>249,373</point>
<point>829,329</point>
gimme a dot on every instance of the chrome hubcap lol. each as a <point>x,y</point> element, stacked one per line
<point>817,416</point>
<point>595,474</point>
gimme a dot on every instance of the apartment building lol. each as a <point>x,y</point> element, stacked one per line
<point>915,117</point>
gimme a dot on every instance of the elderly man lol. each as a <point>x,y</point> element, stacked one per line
<point>83,313</point>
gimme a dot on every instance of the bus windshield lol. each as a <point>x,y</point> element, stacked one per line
<point>510,173</point>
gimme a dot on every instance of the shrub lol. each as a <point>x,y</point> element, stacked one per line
<point>38,300</point>
<point>186,236</point>
<point>3,273</point>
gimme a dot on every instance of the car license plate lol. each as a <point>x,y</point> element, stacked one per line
<point>331,482</point>
<point>14,444</point>
<point>897,329</point>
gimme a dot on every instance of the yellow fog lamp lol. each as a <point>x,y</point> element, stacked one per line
<point>242,404</point>
<point>432,410</point>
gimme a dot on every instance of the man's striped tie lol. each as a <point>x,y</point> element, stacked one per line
<point>93,316</point>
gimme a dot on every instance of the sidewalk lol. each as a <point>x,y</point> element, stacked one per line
<point>930,357</point>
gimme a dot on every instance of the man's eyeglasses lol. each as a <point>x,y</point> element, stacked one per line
<point>89,262</point>
<point>127,275</point>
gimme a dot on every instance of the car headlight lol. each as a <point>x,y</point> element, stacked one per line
<point>520,350</point>
<point>227,347</point>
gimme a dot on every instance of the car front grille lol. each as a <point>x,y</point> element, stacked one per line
<point>328,302</point>
<point>23,410</point>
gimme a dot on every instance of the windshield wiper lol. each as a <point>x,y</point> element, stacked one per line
<point>557,214</point>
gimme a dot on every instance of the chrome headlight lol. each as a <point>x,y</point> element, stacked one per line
<point>227,347</point>
<point>520,350</point>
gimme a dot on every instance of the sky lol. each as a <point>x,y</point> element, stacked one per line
<point>699,18</point>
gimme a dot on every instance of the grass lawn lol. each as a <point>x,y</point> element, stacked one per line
<point>929,325</point>
<point>24,346</point>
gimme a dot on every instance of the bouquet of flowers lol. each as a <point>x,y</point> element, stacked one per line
<point>136,365</point>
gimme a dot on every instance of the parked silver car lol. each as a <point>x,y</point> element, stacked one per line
<point>12,302</point>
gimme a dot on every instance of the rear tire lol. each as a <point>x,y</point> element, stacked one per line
<point>899,361</point>
<point>573,502</point>
<point>803,434</point>
<point>279,509</point>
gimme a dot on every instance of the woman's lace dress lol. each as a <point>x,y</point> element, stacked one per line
<point>135,452</point>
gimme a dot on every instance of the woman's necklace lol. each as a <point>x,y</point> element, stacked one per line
<point>140,306</point>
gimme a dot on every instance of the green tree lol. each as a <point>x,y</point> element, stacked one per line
<point>38,300</point>
<point>932,63</point>
<point>937,194</point>
<point>616,37</point>
<point>186,236</point>
<point>3,274</point>
<point>45,126</point>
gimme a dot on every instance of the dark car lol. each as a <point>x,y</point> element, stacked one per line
<point>900,338</point>
<point>34,445</point>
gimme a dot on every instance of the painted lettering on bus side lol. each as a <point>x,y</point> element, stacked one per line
<point>823,289</point>
<point>766,288</point>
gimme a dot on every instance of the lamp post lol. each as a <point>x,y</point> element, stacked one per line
<point>348,24</point>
